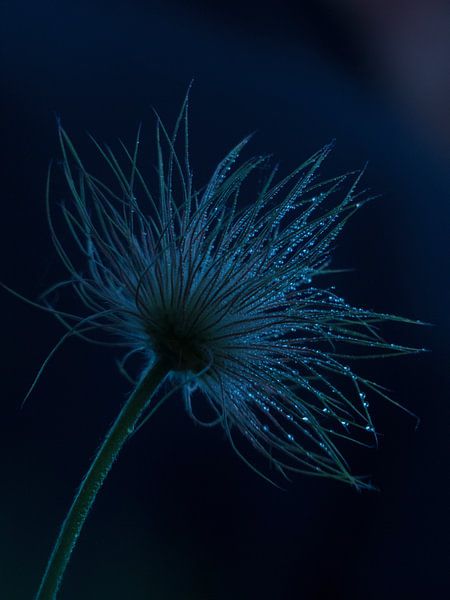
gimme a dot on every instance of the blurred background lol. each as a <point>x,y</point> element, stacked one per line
<point>181,517</point>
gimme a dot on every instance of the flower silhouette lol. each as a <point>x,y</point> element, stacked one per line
<point>223,292</point>
<point>218,297</point>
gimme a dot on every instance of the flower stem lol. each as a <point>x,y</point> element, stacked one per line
<point>116,437</point>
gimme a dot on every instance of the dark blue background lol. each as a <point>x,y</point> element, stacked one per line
<point>181,517</point>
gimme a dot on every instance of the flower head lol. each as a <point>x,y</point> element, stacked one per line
<point>223,291</point>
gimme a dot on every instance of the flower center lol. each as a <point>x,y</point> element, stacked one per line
<point>183,350</point>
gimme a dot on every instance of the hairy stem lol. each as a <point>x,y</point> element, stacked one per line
<point>116,437</point>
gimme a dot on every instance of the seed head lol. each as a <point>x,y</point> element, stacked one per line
<point>224,291</point>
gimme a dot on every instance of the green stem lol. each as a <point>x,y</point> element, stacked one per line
<point>116,437</point>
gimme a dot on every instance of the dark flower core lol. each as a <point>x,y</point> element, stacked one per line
<point>182,350</point>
